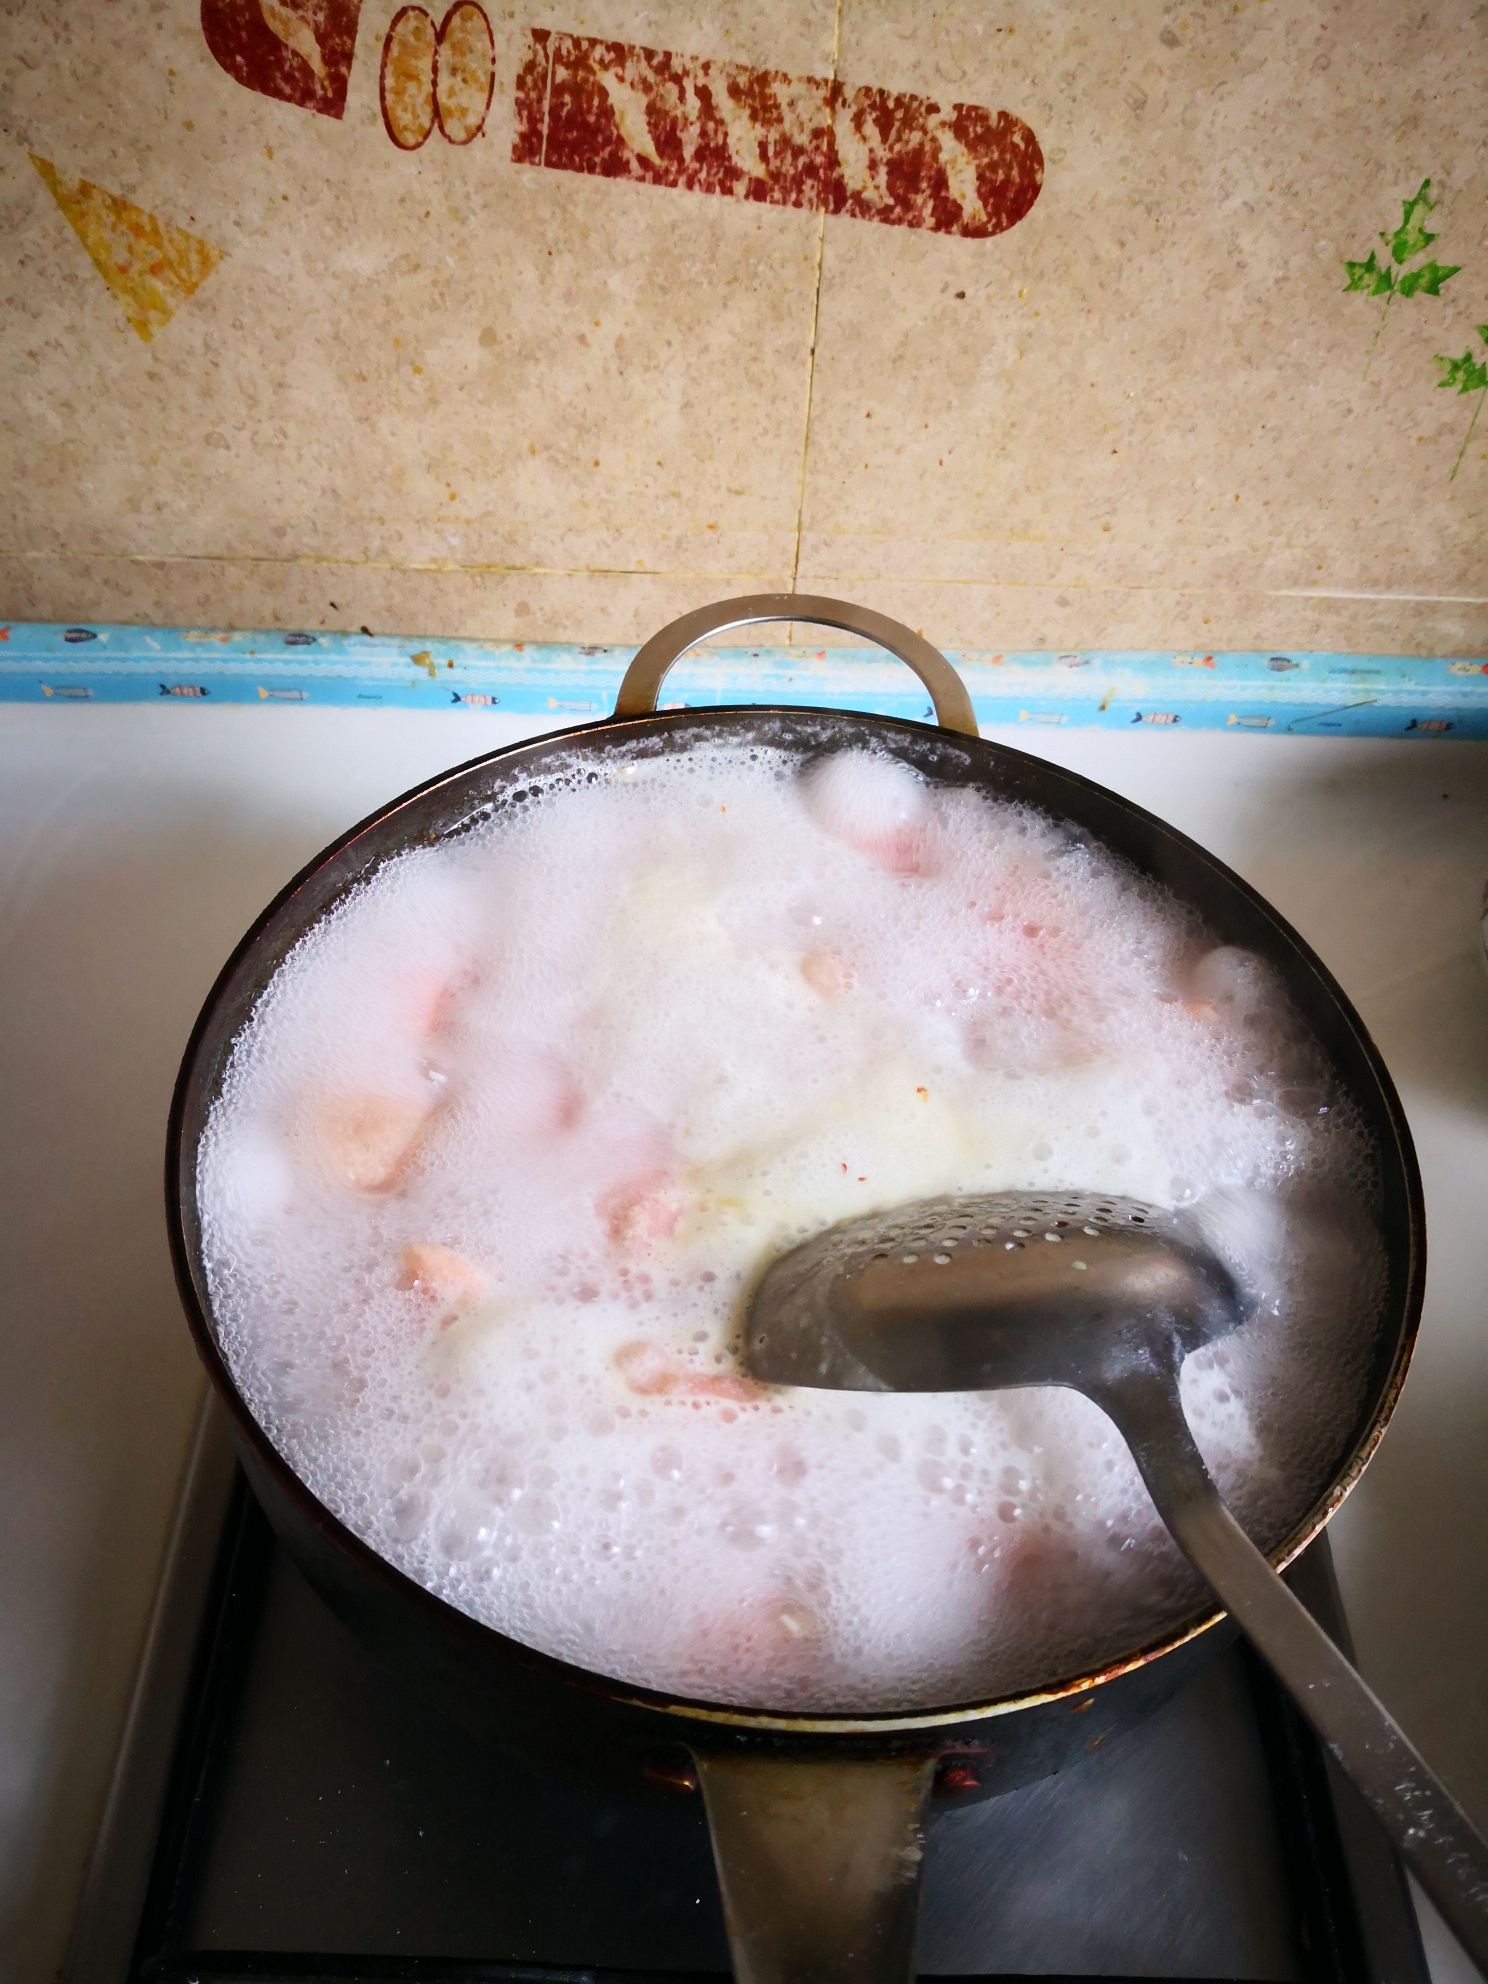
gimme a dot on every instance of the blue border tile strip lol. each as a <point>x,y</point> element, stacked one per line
<point>1353,695</point>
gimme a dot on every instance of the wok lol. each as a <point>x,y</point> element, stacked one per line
<point>817,1819</point>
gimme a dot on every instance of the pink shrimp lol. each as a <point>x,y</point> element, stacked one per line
<point>444,1280</point>
<point>874,804</point>
<point>435,997</point>
<point>826,972</point>
<point>629,1161</point>
<point>641,1211</point>
<point>1226,984</point>
<point>651,1372</point>
<point>367,1140</point>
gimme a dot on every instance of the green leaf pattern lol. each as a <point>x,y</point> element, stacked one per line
<point>1426,280</point>
<point>1466,374</point>
<point>1370,276</point>
<point>1392,278</point>
<point>1411,238</point>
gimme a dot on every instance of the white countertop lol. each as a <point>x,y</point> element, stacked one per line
<point>136,844</point>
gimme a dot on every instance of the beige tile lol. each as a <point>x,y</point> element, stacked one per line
<point>435,358</point>
<point>606,607</point>
<point>235,592</point>
<point>1156,380</point>
<point>986,618</point>
<point>463,388</point>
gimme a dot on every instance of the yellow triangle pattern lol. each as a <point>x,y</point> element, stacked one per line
<point>151,265</point>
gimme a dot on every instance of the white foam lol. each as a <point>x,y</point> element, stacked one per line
<point>511,1132</point>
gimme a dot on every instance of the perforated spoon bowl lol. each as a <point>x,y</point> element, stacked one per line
<point>1106,1296</point>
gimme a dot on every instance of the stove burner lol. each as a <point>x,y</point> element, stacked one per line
<point>286,1809</point>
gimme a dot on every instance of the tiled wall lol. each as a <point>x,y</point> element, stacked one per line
<point>1085,373</point>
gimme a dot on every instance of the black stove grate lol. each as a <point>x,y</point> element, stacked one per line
<point>321,1821</point>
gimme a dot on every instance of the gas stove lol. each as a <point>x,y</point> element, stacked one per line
<point>287,1808</point>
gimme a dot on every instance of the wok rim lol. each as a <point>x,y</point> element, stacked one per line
<point>180,1171</point>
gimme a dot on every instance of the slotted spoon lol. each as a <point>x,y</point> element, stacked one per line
<point>1107,1296</point>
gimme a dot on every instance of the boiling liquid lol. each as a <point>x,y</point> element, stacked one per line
<point>511,1133</point>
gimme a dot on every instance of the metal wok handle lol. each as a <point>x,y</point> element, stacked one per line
<point>644,677</point>
<point>818,1863</point>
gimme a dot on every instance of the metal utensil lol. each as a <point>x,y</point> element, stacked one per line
<point>1107,1296</point>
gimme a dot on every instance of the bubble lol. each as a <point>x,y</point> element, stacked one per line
<point>790,1466</point>
<point>747,1528</point>
<point>607,1092</point>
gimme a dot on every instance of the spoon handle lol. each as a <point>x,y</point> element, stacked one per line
<point>1443,1848</point>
